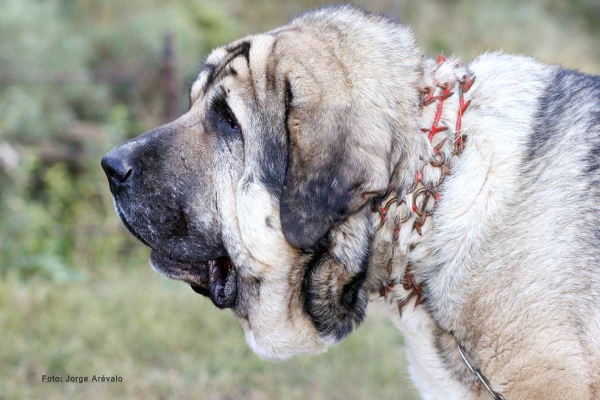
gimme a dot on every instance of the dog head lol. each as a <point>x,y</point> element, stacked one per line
<point>257,196</point>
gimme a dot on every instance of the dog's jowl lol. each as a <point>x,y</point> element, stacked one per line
<point>328,161</point>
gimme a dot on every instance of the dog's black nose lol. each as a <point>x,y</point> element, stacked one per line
<point>116,168</point>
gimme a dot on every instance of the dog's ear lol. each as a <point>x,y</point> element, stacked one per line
<point>335,163</point>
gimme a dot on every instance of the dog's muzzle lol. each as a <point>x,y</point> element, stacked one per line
<point>172,210</point>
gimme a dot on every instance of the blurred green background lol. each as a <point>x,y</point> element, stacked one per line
<point>76,293</point>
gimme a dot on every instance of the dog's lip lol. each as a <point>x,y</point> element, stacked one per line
<point>214,278</point>
<point>191,272</point>
<point>126,223</point>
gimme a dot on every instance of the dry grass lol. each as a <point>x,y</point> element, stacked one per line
<point>168,342</point>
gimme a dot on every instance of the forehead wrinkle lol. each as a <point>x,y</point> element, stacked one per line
<point>222,69</point>
<point>261,54</point>
<point>257,53</point>
<point>206,70</point>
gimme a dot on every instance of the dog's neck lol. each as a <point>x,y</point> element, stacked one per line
<point>404,217</point>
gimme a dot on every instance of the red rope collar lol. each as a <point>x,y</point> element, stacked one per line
<point>427,192</point>
<point>424,193</point>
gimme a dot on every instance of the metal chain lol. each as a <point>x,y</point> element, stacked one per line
<point>477,372</point>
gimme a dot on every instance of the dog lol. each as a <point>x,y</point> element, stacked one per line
<point>328,162</point>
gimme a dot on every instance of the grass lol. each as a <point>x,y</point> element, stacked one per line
<point>167,342</point>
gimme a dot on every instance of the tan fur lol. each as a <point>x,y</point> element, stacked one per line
<point>515,373</point>
<point>334,74</point>
<point>505,260</point>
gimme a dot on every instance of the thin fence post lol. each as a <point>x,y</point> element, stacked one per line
<point>170,85</point>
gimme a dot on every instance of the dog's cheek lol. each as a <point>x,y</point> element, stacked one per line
<point>260,230</point>
<point>270,307</point>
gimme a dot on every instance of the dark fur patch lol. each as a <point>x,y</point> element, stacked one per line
<point>334,313</point>
<point>275,157</point>
<point>273,161</point>
<point>316,198</point>
<point>565,93</point>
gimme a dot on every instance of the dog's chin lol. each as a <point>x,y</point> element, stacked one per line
<point>215,278</point>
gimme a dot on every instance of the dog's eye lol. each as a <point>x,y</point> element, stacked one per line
<point>228,125</point>
<point>226,122</point>
<point>233,124</point>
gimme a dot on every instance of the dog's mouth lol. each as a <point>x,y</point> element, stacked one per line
<point>213,278</point>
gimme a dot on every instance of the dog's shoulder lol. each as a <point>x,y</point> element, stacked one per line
<point>509,85</point>
<point>525,194</point>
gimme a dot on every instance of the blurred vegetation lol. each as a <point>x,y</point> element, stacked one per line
<point>78,77</point>
<point>167,342</point>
